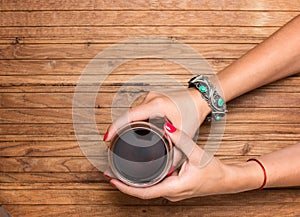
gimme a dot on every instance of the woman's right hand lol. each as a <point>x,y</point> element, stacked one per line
<point>202,174</point>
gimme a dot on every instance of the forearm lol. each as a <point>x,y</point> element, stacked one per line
<point>275,58</point>
<point>282,169</point>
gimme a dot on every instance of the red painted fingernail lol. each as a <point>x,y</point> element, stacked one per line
<point>112,184</point>
<point>107,176</point>
<point>105,136</point>
<point>171,171</point>
<point>170,128</point>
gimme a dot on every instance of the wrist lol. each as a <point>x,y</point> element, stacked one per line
<point>243,177</point>
<point>202,106</point>
<point>211,94</point>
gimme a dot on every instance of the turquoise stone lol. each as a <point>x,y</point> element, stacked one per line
<point>202,89</point>
<point>220,102</point>
<point>218,118</point>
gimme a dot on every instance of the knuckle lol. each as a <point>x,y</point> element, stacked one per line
<point>150,95</point>
<point>144,195</point>
<point>158,101</point>
<point>130,112</point>
<point>173,199</point>
<point>174,190</point>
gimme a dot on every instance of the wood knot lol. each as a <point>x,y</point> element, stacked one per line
<point>246,149</point>
<point>16,41</point>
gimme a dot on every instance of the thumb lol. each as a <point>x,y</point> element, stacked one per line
<point>183,142</point>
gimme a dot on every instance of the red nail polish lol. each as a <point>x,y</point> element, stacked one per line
<point>107,176</point>
<point>169,127</point>
<point>105,136</point>
<point>112,184</point>
<point>171,171</point>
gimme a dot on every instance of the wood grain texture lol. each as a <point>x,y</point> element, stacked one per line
<point>71,148</point>
<point>46,177</point>
<point>94,34</point>
<point>45,46</point>
<point>56,129</point>
<point>257,99</point>
<point>282,86</point>
<point>147,210</point>
<point>113,197</point>
<point>89,51</point>
<point>103,115</point>
<point>74,66</point>
<point>73,164</point>
<point>145,18</point>
<point>38,5</point>
<point>144,80</point>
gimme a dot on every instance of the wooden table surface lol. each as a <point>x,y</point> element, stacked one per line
<point>44,47</point>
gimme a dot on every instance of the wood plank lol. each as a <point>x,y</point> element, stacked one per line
<point>115,39</point>
<point>76,67</point>
<point>72,149</point>
<point>255,99</point>
<point>114,197</point>
<point>94,137</point>
<point>71,164</point>
<point>145,81</point>
<point>55,186</point>
<point>46,177</point>
<point>56,129</point>
<point>91,137</point>
<point>175,210</point>
<point>281,86</point>
<point>89,51</point>
<point>103,115</point>
<point>47,164</point>
<point>93,80</point>
<point>143,18</point>
<point>94,34</point>
<point>74,186</point>
<point>33,5</point>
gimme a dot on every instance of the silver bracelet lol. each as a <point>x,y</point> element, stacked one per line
<point>210,94</point>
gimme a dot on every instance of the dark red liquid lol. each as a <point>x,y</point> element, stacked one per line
<point>139,155</point>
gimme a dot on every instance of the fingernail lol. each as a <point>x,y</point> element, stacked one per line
<point>170,128</point>
<point>112,184</point>
<point>171,171</point>
<point>107,176</point>
<point>105,136</point>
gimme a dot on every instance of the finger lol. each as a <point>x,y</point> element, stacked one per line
<point>141,112</point>
<point>178,158</point>
<point>174,199</point>
<point>155,191</point>
<point>175,173</point>
<point>109,174</point>
<point>183,142</point>
<point>150,96</point>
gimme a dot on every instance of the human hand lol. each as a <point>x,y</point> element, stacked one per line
<point>185,109</point>
<point>176,106</point>
<point>200,175</point>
